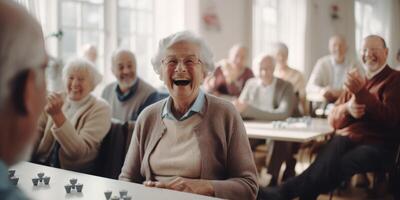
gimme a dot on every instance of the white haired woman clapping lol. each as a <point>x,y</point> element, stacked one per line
<point>75,122</point>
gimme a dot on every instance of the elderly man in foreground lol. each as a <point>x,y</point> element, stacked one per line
<point>366,119</point>
<point>22,89</point>
<point>191,141</point>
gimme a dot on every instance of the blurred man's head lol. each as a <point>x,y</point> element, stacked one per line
<point>338,48</point>
<point>124,68</point>
<point>22,82</point>
<point>264,67</point>
<point>89,51</point>
<point>374,53</point>
<point>281,53</point>
<point>238,56</point>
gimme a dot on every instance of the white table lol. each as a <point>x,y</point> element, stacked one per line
<point>93,186</point>
<point>266,130</point>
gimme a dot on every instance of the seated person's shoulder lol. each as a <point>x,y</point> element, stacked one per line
<point>283,82</point>
<point>108,89</point>
<point>323,61</point>
<point>219,105</point>
<point>146,85</point>
<point>252,81</point>
<point>152,110</point>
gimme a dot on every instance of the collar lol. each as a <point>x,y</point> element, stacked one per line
<point>197,107</point>
<point>78,104</point>
<point>125,96</point>
<point>370,75</point>
<point>267,86</point>
<point>334,63</point>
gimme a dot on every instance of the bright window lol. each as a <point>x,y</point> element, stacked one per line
<point>136,31</point>
<point>82,22</point>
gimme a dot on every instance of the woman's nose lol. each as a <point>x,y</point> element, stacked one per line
<point>180,67</point>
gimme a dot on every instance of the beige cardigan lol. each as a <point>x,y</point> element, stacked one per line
<point>79,137</point>
<point>226,158</point>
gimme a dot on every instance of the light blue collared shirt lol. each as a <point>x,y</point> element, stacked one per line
<point>7,190</point>
<point>196,108</point>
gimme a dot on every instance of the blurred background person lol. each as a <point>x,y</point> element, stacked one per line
<point>296,78</point>
<point>326,80</point>
<point>231,74</point>
<point>366,121</point>
<point>181,143</point>
<point>328,73</point>
<point>129,95</point>
<point>89,51</point>
<point>268,98</point>
<point>23,60</point>
<point>74,123</point>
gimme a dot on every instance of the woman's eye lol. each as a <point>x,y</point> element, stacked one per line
<point>189,63</point>
<point>172,62</point>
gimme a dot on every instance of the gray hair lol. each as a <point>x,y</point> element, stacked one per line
<point>118,51</point>
<point>339,37</point>
<point>21,46</point>
<point>257,61</point>
<point>206,56</point>
<point>280,46</point>
<point>82,64</point>
<point>235,48</point>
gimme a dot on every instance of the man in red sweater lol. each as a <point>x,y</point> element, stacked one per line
<point>366,120</point>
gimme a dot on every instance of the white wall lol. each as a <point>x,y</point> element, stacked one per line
<point>235,23</point>
<point>320,27</point>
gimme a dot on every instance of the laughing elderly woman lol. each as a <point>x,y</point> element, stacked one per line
<point>74,123</point>
<point>191,141</point>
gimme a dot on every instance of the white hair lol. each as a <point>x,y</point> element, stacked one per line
<point>82,64</point>
<point>235,48</point>
<point>21,46</point>
<point>257,62</point>
<point>206,56</point>
<point>280,46</point>
<point>118,51</point>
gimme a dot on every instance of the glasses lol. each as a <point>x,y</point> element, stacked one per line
<point>372,50</point>
<point>188,61</point>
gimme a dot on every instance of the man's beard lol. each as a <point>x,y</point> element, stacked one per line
<point>126,85</point>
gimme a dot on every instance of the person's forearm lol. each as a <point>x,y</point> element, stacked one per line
<point>58,119</point>
<point>208,189</point>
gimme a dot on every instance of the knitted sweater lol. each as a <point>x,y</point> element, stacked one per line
<point>226,158</point>
<point>381,121</point>
<point>143,95</point>
<point>283,101</point>
<point>79,137</point>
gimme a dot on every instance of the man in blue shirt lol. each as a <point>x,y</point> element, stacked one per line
<point>23,60</point>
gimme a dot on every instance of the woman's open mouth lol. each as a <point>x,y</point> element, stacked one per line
<point>181,82</point>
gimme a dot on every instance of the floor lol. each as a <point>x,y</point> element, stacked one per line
<point>351,193</point>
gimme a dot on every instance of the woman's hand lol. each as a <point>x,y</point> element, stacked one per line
<point>197,186</point>
<point>54,108</point>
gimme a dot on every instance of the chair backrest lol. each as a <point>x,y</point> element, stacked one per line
<point>113,150</point>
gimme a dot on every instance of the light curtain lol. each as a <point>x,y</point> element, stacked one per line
<point>381,17</point>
